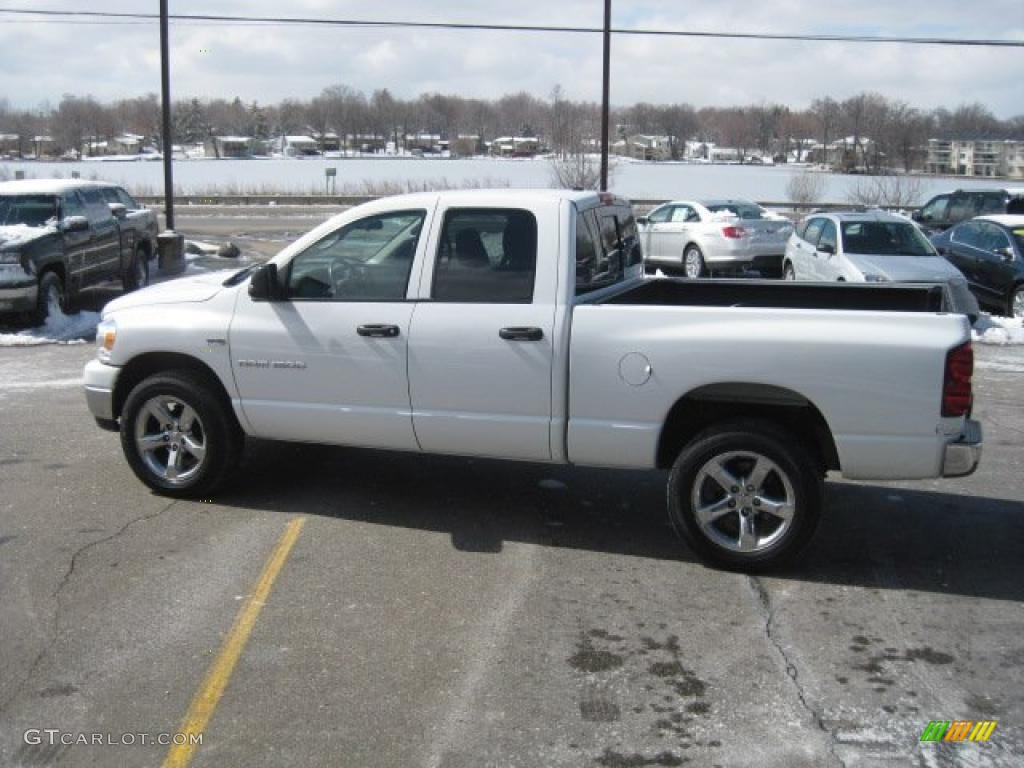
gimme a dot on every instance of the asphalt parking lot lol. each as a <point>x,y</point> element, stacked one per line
<point>446,612</point>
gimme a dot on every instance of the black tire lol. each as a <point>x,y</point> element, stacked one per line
<point>51,294</point>
<point>693,262</point>
<point>789,272</point>
<point>137,274</point>
<point>213,429</point>
<point>739,447</point>
<point>1015,306</point>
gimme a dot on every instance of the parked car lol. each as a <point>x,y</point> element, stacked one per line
<point>710,237</point>
<point>989,250</point>
<point>58,237</point>
<point>872,247</point>
<point>518,325</point>
<point>943,211</point>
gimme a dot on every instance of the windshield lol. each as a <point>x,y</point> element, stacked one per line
<point>747,211</point>
<point>28,210</point>
<point>885,238</point>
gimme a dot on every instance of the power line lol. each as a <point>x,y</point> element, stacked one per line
<point>379,24</point>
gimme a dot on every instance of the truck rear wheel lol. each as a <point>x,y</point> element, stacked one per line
<point>177,436</point>
<point>137,273</point>
<point>745,496</point>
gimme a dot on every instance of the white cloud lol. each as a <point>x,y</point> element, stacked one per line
<point>45,60</point>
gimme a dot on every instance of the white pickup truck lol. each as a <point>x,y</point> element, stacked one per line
<point>518,325</point>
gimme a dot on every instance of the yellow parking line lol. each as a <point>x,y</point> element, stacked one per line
<point>205,701</point>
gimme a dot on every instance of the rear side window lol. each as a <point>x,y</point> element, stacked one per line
<point>968,234</point>
<point>72,205</point>
<point>991,204</point>
<point>486,255</point>
<point>961,207</point>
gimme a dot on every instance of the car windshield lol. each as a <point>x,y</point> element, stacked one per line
<point>887,238</point>
<point>28,210</point>
<point>747,211</point>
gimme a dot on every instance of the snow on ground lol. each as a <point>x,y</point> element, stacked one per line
<point>1000,331</point>
<point>58,329</point>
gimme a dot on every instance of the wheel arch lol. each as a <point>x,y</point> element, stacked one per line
<point>711,403</point>
<point>145,365</point>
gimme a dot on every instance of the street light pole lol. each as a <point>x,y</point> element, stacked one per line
<point>605,92</point>
<point>168,142</point>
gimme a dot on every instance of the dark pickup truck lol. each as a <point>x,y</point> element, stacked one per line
<point>58,237</point>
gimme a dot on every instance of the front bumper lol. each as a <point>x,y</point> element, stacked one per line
<point>100,380</point>
<point>961,457</point>
<point>19,297</point>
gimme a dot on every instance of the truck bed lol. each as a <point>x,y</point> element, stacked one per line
<point>783,295</point>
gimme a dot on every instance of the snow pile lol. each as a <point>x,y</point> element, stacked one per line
<point>58,329</point>
<point>1001,331</point>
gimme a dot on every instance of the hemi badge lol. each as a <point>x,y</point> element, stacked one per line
<point>216,341</point>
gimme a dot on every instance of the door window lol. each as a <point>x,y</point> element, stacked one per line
<point>72,205</point>
<point>828,235</point>
<point>683,213</point>
<point>968,234</point>
<point>660,215</point>
<point>96,207</point>
<point>813,230</point>
<point>992,237</point>
<point>126,200</point>
<point>961,207</point>
<point>367,260</point>
<point>991,203</point>
<point>936,209</point>
<point>486,255</point>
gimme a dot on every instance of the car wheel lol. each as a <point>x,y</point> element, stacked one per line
<point>137,274</point>
<point>745,495</point>
<point>177,436</point>
<point>693,262</point>
<point>1017,302</point>
<point>788,273</point>
<point>51,299</point>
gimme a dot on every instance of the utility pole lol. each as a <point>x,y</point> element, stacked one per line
<point>168,143</point>
<point>605,92</point>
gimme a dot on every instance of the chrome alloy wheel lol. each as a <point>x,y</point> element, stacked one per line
<point>693,263</point>
<point>743,501</point>
<point>170,439</point>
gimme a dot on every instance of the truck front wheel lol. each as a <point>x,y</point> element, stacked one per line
<point>177,436</point>
<point>745,496</point>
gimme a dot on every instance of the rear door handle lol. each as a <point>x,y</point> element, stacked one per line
<point>378,330</point>
<point>521,334</point>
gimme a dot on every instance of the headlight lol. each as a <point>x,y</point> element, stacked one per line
<point>873,278</point>
<point>106,335</point>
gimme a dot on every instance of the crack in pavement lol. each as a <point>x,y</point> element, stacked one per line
<point>764,602</point>
<point>55,595</point>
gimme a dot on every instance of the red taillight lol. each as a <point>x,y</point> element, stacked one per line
<point>956,386</point>
<point>734,233</point>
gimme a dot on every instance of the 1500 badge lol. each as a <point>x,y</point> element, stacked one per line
<point>290,364</point>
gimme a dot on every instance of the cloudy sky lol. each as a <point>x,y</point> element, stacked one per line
<point>42,59</point>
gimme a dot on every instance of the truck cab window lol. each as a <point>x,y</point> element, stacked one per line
<point>367,260</point>
<point>486,256</point>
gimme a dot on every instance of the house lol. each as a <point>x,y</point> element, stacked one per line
<point>984,158</point>
<point>645,147</point>
<point>328,141</point>
<point>10,144</point>
<point>516,146</point>
<point>126,144</point>
<point>467,145</point>
<point>297,146</point>
<point>846,153</point>
<point>229,147</point>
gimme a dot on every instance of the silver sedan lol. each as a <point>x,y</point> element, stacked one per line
<point>708,237</point>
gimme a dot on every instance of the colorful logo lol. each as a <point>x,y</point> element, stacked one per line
<point>958,730</point>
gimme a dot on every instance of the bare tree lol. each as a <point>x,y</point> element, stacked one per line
<point>576,170</point>
<point>805,188</point>
<point>899,192</point>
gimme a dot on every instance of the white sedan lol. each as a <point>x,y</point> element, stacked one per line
<point>871,247</point>
<point>709,237</point>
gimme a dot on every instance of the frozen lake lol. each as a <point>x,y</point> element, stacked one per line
<point>631,179</point>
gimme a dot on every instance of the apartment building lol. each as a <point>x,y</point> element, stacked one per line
<point>985,158</point>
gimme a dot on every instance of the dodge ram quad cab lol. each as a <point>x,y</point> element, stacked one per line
<point>60,236</point>
<point>518,325</point>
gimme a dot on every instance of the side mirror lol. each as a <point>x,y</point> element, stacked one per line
<point>1006,252</point>
<point>118,209</point>
<point>75,224</point>
<point>941,249</point>
<point>264,285</point>
<point>641,220</point>
<point>827,248</point>
<point>917,216</point>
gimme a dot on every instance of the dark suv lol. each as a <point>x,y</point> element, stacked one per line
<point>58,237</point>
<point>943,211</point>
